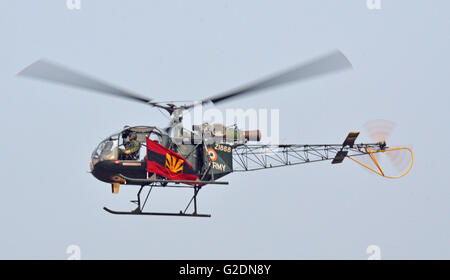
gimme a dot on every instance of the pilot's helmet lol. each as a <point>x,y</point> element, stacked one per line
<point>125,134</point>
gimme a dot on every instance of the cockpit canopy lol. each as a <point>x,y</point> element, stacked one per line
<point>109,149</point>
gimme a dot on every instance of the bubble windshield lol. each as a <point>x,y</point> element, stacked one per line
<point>108,149</point>
<point>112,147</point>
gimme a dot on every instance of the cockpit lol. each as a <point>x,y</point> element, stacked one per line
<point>115,146</point>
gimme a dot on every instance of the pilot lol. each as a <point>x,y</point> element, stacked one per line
<point>132,146</point>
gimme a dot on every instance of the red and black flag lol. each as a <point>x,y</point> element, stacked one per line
<point>167,163</point>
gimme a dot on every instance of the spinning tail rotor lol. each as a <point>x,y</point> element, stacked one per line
<point>383,159</point>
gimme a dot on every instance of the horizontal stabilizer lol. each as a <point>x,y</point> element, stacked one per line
<point>339,157</point>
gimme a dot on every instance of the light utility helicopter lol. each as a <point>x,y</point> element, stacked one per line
<point>147,156</point>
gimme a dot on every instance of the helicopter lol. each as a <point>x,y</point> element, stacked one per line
<point>208,152</point>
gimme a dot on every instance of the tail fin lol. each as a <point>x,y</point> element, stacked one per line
<point>349,141</point>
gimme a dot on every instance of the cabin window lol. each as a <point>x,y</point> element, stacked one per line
<point>106,150</point>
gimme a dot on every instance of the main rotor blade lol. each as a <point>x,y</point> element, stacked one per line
<point>329,63</point>
<point>45,70</point>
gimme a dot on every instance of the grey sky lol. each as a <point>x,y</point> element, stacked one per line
<point>192,49</point>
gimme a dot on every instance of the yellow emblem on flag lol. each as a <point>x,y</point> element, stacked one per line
<point>173,164</point>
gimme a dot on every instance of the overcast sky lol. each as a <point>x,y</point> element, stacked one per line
<point>187,50</point>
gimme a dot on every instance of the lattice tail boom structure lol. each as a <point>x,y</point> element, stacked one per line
<point>256,157</point>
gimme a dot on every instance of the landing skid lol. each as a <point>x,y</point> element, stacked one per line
<point>139,209</point>
<point>155,213</point>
